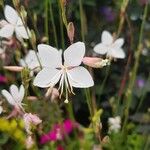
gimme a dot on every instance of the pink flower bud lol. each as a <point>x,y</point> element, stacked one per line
<point>53,93</point>
<point>13,68</point>
<point>32,98</point>
<point>70,31</point>
<point>95,62</point>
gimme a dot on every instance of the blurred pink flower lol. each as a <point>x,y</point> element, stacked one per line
<point>59,147</point>
<point>59,131</point>
<point>30,119</point>
<point>3,79</point>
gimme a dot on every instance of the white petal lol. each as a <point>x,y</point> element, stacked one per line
<point>80,77</point>
<point>11,15</point>
<point>106,38</point>
<point>74,54</point>
<point>118,43</point>
<point>21,32</point>
<point>9,97</point>
<point>14,92</point>
<point>21,93</point>
<point>101,48</point>
<point>7,31</point>
<point>116,53</point>
<point>47,77</point>
<point>19,22</point>
<point>49,56</point>
<point>31,60</point>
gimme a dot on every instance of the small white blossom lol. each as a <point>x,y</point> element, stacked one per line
<point>114,124</point>
<point>112,48</point>
<point>68,73</point>
<point>15,96</point>
<point>31,61</point>
<point>14,24</point>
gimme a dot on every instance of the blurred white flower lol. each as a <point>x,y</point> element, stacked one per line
<point>13,24</point>
<point>31,61</point>
<point>114,124</point>
<point>1,109</point>
<point>30,119</point>
<point>68,73</point>
<point>112,48</point>
<point>29,142</point>
<point>15,96</point>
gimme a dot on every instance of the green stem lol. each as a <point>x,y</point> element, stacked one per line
<point>46,20</point>
<point>89,102</point>
<point>134,71</point>
<point>82,20</point>
<point>63,11</point>
<point>143,95</point>
<point>61,26</point>
<point>53,24</point>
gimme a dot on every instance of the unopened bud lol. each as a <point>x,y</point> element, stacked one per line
<point>95,62</point>
<point>13,68</point>
<point>70,31</point>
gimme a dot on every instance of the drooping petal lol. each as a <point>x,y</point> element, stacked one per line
<point>21,93</point>
<point>101,49</point>
<point>80,77</point>
<point>74,54</point>
<point>21,32</point>
<point>49,56</point>
<point>116,53</point>
<point>7,31</point>
<point>47,77</point>
<point>8,96</point>
<point>14,92</point>
<point>11,15</point>
<point>106,38</point>
<point>118,43</point>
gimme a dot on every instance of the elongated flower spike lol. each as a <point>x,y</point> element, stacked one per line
<point>109,46</point>
<point>13,24</point>
<point>67,73</point>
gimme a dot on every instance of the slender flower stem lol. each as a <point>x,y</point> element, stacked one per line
<point>82,20</point>
<point>61,26</point>
<point>53,24</point>
<point>122,15</point>
<point>46,20</point>
<point>135,68</point>
<point>63,12</point>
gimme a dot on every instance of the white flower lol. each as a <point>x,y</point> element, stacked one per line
<point>68,73</point>
<point>15,96</point>
<point>30,60</point>
<point>114,124</point>
<point>14,24</point>
<point>1,109</point>
<point>109,46</point>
